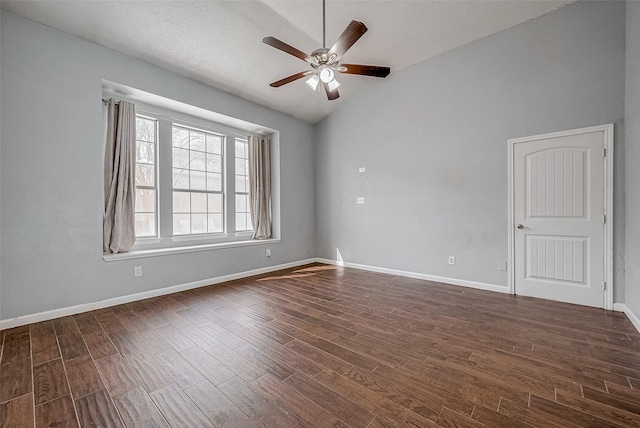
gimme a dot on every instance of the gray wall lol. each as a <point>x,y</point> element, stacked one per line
<point>433,139</point>
<point>52,150</point>
<point>632,126</point>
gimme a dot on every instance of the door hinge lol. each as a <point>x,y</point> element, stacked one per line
<point>604,153</point>
<point>605,284</point>
<point>604,219</point>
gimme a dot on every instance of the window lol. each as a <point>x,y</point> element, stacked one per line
<point>192,181</point>
<point>146,187</point>
<point>197,181</point>
<point>243,213</point>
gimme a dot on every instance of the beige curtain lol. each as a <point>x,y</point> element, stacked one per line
<point>260,186</point>
<point>119,177</point>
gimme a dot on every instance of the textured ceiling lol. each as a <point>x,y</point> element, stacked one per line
<point>220,42</point>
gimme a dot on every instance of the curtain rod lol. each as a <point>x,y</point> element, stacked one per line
<point>105,101</point>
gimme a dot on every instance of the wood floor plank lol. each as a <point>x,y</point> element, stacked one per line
<point>97,410</point>
<point>99,344</point>
<point>138,410</point>
<point>116,375</point>
<point>17,412</point>
<point>49,381</point>
<point>65,325</point>
<point>256,406</point>
<point>44,348</point>
<point>199,337</point>
<point>211,368</point>
<point>150,374</point>
<point>337,404</point>
<point>236,363</point>
<point>57,413</point>
<point>181,371</point>
<point>175,338</point>
<point>384,409</point>
<point>354,358</point>
<point>293,403</point>
<point>87,322</point>
<point>178,409</point>
<point>126,343</point>
<point>15,379</point>
<point>83,376</point>
<point>217,407</point>
<point>71,345</point>
<point>17,344</point>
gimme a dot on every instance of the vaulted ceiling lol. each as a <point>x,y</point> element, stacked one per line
<point>220,42</point>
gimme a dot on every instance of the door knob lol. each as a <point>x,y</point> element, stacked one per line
<point>520,226</point>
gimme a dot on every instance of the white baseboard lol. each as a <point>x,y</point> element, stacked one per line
<point>72,310</point>
<point>635,319</point>
<point>445,280</point>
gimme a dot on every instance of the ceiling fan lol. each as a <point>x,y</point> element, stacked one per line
<point>326,62</point>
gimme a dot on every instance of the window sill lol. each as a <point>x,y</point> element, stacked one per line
<point>139,254</point>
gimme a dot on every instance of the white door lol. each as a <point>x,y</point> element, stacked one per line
<point>558,217</point>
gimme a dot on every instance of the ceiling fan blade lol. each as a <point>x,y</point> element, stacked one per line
<point>331,95</point>
<point>278,44</point>
<point>366,70</point>
<point>290,79</point>
<point>349,36</point>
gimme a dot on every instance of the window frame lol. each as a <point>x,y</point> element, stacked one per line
<point>159,107</point>
<point>244,141</point>
<point>156,235</point>
<point>166,238</point>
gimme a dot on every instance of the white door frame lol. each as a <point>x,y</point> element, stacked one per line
<point>608,201</point>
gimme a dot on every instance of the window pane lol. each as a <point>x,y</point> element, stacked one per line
<point>198,223</point>
<point>214,163</point>
<point>145,200</point>
<point>214,144</point>
<point>181,202</point>
<point>197,141</point>
<point>241,203</point>
<point>181,224</point>
<point>198,161</point>
<point>145,175</point>
<point>242,185</point>
<point>180,178</point>
<point>215,223</point>
<point>145,224</point>
<point>241,221</point>
<point>180,138</point>
<point>240,149</point>
<point>197,180</point>
<point>215,203</point>
<point>214,182</point>
<point>145,129</point>
<point>180,158</point>
<point>145,152</point>
<point>241,168</point>
<point>198,202</point>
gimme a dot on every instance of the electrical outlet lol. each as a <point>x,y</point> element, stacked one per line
<point>362,169</point>
<point>452,260</point>
<point>360,200</point>
<point>268,252</point>
<point>137,271</point>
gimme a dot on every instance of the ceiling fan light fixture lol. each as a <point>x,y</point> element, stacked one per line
<point>326,75</point>
<point>313,82</point>
<point>333,85</point>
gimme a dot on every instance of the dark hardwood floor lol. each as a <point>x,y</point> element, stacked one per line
<point>328,347</point>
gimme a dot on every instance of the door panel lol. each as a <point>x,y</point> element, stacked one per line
<point>558,213</point>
